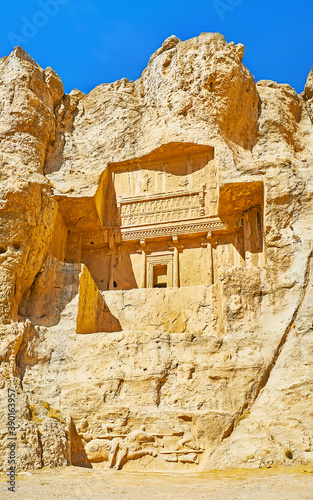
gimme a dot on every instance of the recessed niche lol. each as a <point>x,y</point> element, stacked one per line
<point>160,276</point>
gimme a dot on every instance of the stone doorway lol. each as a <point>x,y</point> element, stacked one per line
<point>160,276</point>
<point>159,268</point>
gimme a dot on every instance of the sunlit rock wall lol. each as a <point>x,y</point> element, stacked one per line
<point>188,378</point>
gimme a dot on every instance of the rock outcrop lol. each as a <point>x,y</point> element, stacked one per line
<point>177,336</point>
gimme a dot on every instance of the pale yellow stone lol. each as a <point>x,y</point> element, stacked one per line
<point>156,265</point>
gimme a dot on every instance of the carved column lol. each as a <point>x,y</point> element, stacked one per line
<point>210,264</point>
<point>142,250</point>
<point>176,248</point>
<point>143,267</point>
<point>176,267</point>
<point>143,277</point>
<point>209,261</point>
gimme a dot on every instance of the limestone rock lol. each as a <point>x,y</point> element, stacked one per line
<point>54,84</point>
<point>169,43</point>
<point>308,89</point>
<point>308,94</point>
<point>156,265</point>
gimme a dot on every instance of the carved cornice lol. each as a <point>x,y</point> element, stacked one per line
<point>199,225</point>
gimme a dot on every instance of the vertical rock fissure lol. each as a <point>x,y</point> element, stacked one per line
<point>268,371</point>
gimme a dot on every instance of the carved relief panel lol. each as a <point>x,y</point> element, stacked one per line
<point>152,209</point>
<point>175,184</point>
<point>146,178</point>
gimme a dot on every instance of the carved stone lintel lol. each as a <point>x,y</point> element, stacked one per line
<point>179,228</point>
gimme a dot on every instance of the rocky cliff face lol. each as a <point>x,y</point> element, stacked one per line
<point>195,378</point>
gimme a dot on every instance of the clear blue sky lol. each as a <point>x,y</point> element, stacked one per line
<point>89,42</point>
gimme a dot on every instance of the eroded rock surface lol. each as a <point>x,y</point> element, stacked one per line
<point>156,265</point>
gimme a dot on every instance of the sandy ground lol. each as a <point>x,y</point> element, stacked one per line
<point>74,482</point>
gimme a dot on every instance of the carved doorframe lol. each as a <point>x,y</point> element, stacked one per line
<point>160,259</point>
